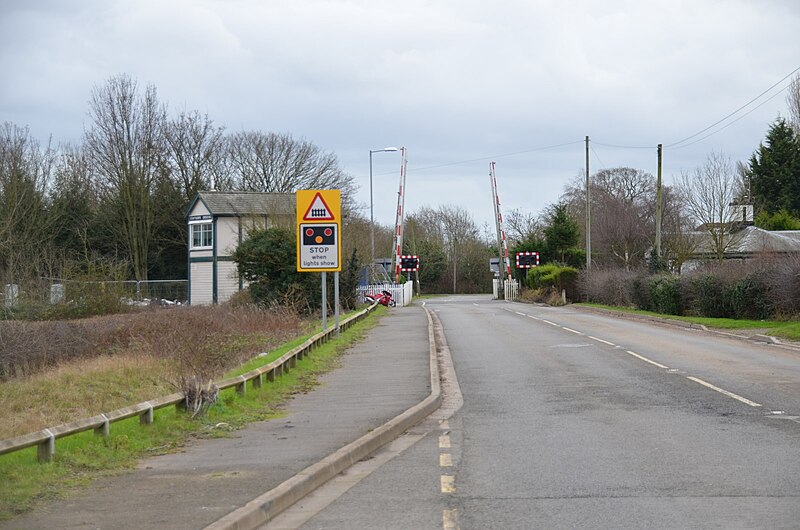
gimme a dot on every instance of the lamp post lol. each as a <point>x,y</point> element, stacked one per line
<point>371,216</point>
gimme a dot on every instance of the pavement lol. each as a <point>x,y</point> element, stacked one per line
<point>380,378</point>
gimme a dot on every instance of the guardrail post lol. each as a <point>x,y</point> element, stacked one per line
<point>271,375</point>
<point>146,417</point>
<point>293,361</point>
<point>46,449</point>
<point>241,388</point>
<point>258,382</point>
<point>104,429</point>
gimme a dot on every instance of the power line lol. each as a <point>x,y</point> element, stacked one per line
<point>673,144</point>
<point>712,133</point>
<point>494,157</point>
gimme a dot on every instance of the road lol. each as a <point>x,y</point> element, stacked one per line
<point>573,419</point>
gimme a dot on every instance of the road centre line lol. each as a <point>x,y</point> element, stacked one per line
<point>445,460</point>
<point>551,323</point>
<point>724,392</point>
<point>444,442</point>
<point>645,359</point>
<point>521,314</point>
<point>601,340</point>
<point>571,330</point>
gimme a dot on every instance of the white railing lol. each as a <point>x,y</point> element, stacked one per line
<point>402,293</point>
<point>512,290</point>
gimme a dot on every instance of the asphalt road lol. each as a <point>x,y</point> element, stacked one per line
<point>578,420</point>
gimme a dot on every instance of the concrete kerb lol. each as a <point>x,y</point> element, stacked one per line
<point>262,509</point>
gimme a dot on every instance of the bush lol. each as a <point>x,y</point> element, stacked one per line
<point>665,293</point>
<point>748,298</point>
<point>706,295</point>
<point>640,292</point>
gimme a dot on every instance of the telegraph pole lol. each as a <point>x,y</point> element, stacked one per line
<point>659,207</point>
<point>588,212</point>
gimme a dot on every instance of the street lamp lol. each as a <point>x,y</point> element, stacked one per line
<point>371,216</point>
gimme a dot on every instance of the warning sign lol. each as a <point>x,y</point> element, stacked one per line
<point>318,210</point>
<point>319,245</point>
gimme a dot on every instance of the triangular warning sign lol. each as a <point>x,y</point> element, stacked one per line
<point>318,211</point>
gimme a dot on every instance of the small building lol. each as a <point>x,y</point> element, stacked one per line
<point>217,223</point>
<point>744,241</point>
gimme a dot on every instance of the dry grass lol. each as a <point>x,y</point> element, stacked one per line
<point>60,372</point>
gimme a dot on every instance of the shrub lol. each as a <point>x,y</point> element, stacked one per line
<point>705,294</point>
<point>665,293</point>
<point>554,277</point>
<point>748,298</point>
<point>640,292</point>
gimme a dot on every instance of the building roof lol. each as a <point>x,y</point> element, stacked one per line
<point>751,239</point>
<point>241,203</point>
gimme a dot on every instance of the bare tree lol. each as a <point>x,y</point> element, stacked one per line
<point>195,154</point>
<point>127,148</point>
<point>623,213</point>
<point>522,226</point>
<point>271,162</point>
<point>25,175</point>
<point>709,191</point>
<point>793,102</point>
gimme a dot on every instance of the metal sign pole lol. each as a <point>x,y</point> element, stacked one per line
<point>336,299</point>
<point>324,301</point>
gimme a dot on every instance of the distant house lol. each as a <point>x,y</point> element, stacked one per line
<point>218,222</point>
<point>745,242</point>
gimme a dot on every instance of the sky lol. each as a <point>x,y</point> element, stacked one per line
<point>459,83</point>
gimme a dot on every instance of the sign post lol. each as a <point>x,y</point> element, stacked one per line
<point>319,239</point>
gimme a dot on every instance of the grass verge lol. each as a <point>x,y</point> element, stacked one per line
<point>84,457</point>
<point>789,330</point>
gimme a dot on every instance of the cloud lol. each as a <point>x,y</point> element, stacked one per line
<point>454,81</point>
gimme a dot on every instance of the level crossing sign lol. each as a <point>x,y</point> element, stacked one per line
<point>319,221</point>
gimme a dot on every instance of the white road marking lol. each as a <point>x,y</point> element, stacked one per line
<point>445,460</point>
<point>645,359</point>
<point>571,330</point>
<point>533,317</point>
<point>444,442</point>
<point>601,340</point>
<point>521,314</point>
<point>551,323</point>
<point>725,392</point>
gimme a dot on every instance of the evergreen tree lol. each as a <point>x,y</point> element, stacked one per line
<point>561,233</point>
<point>775,171</point>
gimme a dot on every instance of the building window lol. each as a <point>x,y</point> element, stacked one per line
<point>202,235</point>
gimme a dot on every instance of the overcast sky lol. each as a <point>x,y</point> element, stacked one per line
<point>459,83</point>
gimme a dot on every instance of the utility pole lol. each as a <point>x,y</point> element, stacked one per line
<point>502,243</point>
<point>659,207</point>
<point>588,212</point>
<point>398,225</point>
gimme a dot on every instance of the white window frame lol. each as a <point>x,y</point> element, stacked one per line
<point>203,228</point>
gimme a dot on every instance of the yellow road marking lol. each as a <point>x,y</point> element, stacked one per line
<point>448,484</point>
<point>449,520</point>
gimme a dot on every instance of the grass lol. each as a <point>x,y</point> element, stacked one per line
<point>789,330</point>
<point>84,457</point>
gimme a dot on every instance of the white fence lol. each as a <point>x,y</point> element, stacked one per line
<point>402,293</point>
<point>510,289</point>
